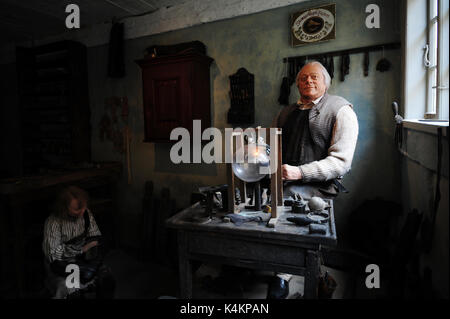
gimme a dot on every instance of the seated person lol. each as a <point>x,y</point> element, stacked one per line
<point>71,236</point>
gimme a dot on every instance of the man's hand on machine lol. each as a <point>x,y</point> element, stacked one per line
<point>291,172</point>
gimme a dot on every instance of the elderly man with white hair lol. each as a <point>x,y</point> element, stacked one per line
<point>319,136</point>
<point>319,140</point>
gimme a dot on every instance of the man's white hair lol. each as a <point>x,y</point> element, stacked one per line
<point>325,73</point>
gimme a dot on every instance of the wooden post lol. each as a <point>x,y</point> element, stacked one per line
<point>279,172</point>
<point>232,182</point>
<point>276,184</point>
<point>242,189</point>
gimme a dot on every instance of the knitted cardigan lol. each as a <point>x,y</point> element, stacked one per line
<point>334,128</point>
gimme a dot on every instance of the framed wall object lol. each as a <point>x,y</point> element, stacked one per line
<point>313,25</point>
<point>242,98</point>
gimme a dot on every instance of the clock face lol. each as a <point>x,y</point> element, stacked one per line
<point>313,25</point>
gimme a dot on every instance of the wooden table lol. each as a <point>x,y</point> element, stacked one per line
<point>286,248</point>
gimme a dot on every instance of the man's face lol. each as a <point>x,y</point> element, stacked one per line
<point>311,82</point>
<point>76,208</point>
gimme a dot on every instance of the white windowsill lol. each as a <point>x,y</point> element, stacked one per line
<point>426,126</point>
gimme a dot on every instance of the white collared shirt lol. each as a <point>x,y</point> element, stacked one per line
<point>308,105</point>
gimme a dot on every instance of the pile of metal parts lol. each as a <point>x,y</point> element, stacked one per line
<point>313,213</point>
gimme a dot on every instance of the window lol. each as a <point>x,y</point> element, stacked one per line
<point>433,59</point>
<point>426,60</point>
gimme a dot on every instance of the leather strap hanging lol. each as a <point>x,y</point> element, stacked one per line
<point>87,224</point>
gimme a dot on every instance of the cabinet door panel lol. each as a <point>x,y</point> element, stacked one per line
<point>166,97</point>
<point>176,91</point>
<point>167,100</point>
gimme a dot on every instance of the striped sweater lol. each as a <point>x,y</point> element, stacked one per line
<point>58,231</point>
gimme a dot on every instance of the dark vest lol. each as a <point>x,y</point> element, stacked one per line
<point>322,118</point>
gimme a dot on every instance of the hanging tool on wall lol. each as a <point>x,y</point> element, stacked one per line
<point>293,66</point>
<point>398,138</point>
<point>285,89</point>
<point>331,67</point>
<point>366,63</point>
<point>384,64</point>
<point>291,71</point>
<point>345,65</point>
<point>328,63</point>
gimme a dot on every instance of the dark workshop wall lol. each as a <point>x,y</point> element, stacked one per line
<point>419,177</point>
<point>10,140</point>
<point>258,42</point>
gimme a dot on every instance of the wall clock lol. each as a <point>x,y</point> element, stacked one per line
<point>313,25</point>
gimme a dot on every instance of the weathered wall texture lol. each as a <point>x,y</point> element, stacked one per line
<point>419,177</point>
<point>258,42</point>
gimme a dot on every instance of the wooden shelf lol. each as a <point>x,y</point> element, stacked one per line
<point>53,87</point>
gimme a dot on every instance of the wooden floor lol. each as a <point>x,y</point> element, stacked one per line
<point>149,280</point>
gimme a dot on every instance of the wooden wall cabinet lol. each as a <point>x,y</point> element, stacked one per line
<point>176,91</point>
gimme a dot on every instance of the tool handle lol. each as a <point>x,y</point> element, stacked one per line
<point>395,108</point>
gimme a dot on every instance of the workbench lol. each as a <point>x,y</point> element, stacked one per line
<point>286,248</point>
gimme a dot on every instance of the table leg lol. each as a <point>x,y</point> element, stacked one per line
<point>311,275</point>
<point>185,267</point>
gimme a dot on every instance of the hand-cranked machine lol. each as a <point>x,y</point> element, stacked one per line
<point>255,162</point>
<point>251,163</point>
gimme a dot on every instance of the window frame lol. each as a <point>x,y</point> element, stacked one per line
<point>425,85</point>
<point>435,46</point>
